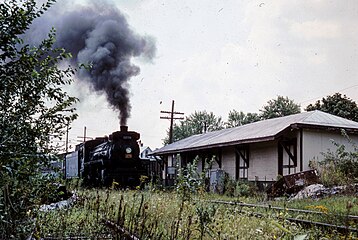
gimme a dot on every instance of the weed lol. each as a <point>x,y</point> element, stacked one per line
<point>164,215</point>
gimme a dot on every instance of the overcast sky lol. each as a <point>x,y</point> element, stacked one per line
<point>223,55</point>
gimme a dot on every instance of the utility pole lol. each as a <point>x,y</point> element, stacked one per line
<point>65,158</point>
<point>67,137</point>
<point>172,118</point>
<point>84,137</point>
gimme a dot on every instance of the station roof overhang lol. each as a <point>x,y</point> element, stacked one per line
<point>262,131</point>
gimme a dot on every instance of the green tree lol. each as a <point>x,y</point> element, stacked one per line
<point>236,118</point>
<point>195,123</point>
<point>34,112</point>
<point>338,105</point>
<point>282,106</point>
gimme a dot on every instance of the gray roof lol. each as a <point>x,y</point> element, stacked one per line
<point>256,132</point>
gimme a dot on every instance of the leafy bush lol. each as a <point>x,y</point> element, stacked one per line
<point>34,111</point>
<point>229,186</point>
<point>239,188</point>
<point>205,216</point>
<point>245,189</point>
<point>189,180</point>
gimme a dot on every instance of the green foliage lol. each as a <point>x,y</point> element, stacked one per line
<point>188,180</point>
<point>328,173</point>
<point>282,106</point>
<point>335,210</point>
<point>339,167</point>
<point>244,189</point>
<point>338,105</point>
<point>206,217</point>
<point>239,188</point>
<point>195,123</point>
<point>34,112</point>
<point>240,118</point>
<point>154,215</point>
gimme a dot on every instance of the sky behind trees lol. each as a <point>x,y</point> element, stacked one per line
<point>218,56</point>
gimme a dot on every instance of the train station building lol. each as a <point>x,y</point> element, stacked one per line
<point>263,150</point>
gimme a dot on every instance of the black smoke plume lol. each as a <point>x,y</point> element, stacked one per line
<point>99,35</point>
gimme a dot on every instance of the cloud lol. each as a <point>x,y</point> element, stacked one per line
<point>311,30</point>
<point>234,54</point>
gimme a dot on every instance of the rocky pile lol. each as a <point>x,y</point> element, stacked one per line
<point>318,191</point>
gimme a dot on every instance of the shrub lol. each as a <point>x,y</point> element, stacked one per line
<point>244,189</point>
<point>229,186</point>
<point>239,188</point>
<point>188,180</point>
<point>35,112</point>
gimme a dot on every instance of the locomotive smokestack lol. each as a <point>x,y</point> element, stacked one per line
<point>124,128</point>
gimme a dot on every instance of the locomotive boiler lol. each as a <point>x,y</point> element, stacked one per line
<point>103,161</point>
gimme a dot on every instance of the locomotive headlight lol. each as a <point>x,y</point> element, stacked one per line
<point>128,150</point>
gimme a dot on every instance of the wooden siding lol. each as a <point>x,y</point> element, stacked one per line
<point>263,161</point>
<point>315,142</point>
<point>228,161</point>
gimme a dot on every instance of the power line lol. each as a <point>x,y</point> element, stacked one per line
<point>356,85</point>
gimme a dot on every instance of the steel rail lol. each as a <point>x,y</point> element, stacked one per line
<point>339,228</point>
<point>352,217</point>
<point>120,230</point>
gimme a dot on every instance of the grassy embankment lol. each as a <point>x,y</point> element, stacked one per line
<point>169,215</point>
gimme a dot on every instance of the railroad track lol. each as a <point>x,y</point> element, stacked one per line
<point>339,228</point>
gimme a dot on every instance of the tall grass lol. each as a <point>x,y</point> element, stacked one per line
<point>158,215</point>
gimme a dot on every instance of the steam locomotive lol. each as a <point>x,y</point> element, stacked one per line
<point>105,160</point>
